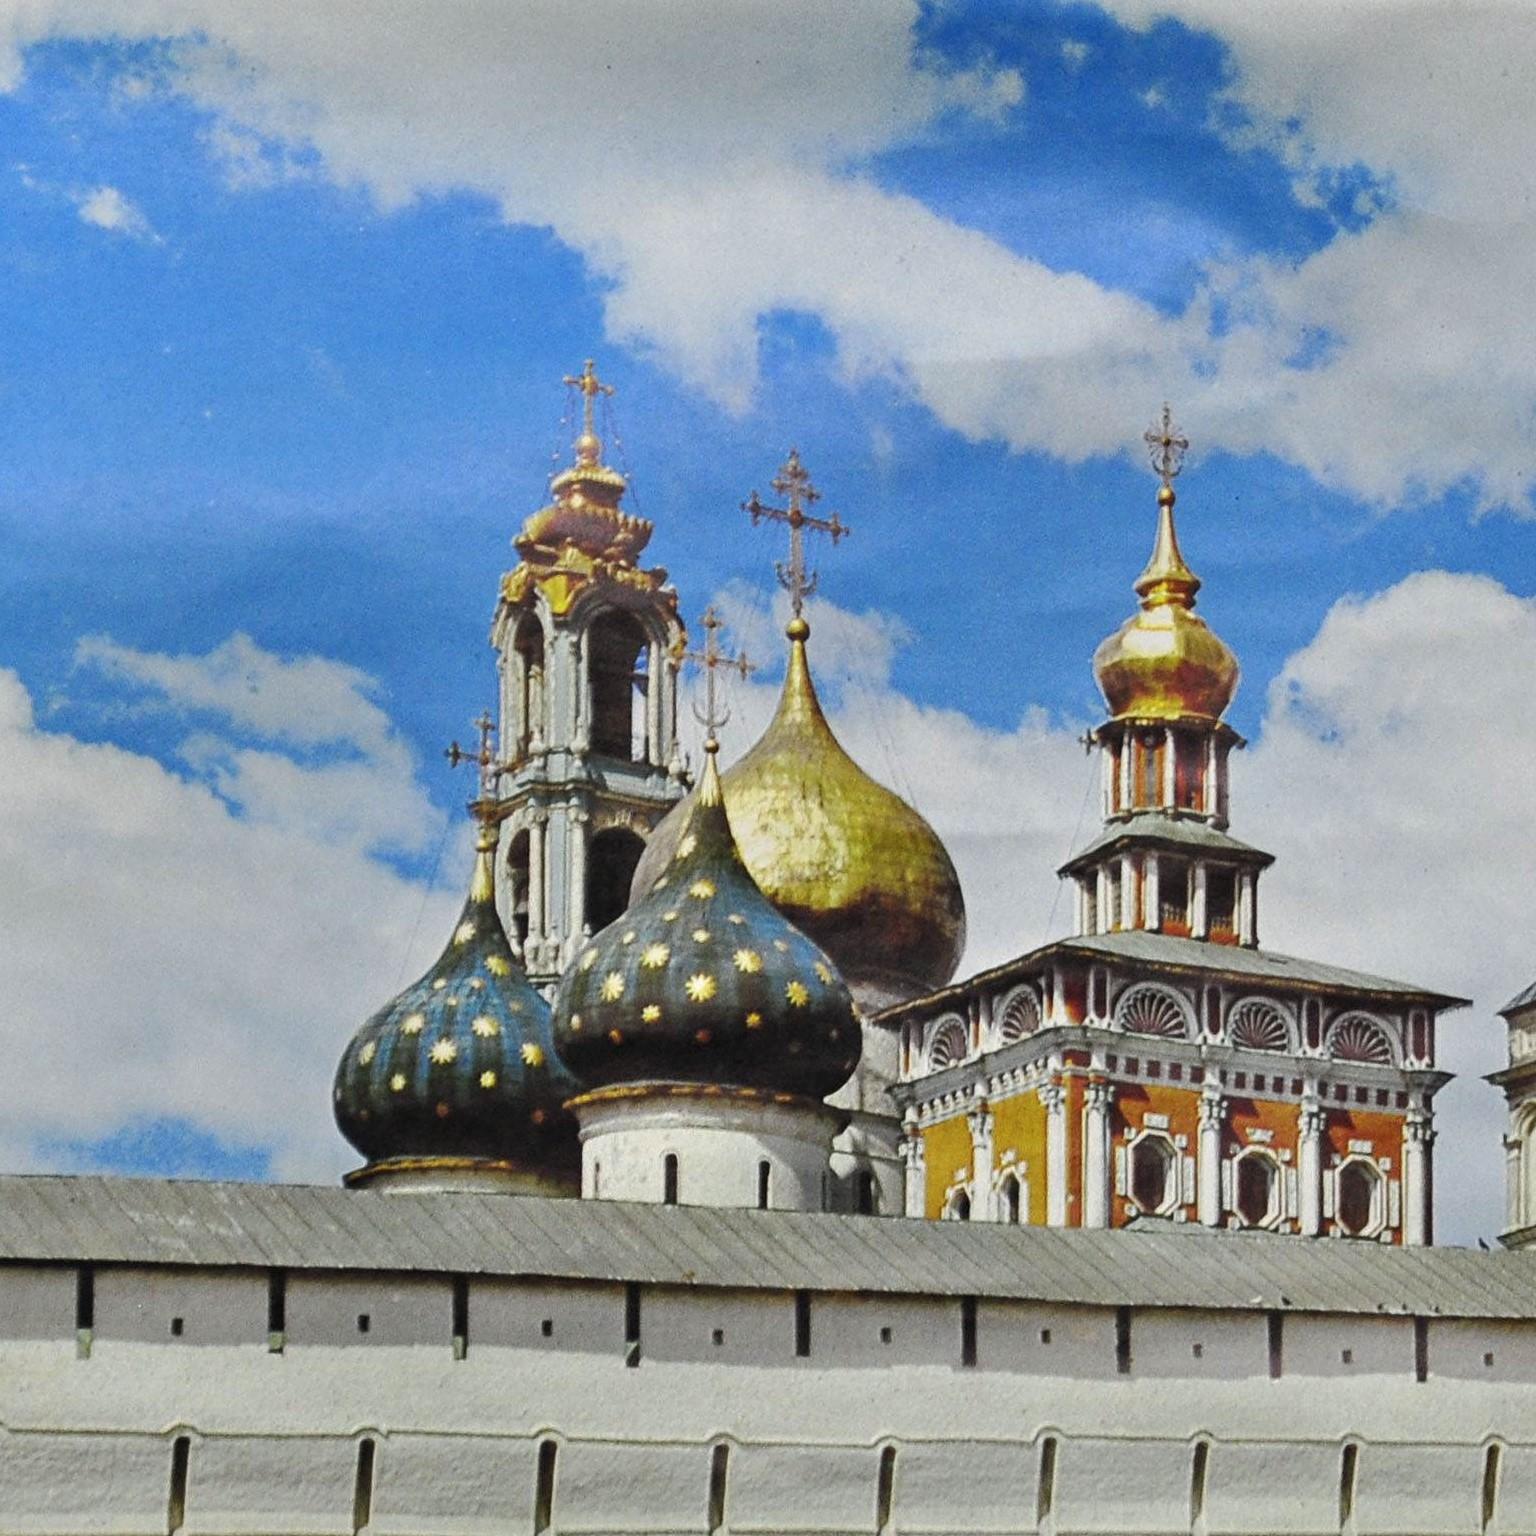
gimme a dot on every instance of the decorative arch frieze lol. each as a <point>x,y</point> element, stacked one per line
<point>1150,1009</point>
<point>1360,1037</point>
<point>1017,1016</point>
<point>947,1045</point>
<point>1259,1024</point>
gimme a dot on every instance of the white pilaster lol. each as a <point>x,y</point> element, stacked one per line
<point>1058,996</point>
<point>1096,1101</point>
<point>1105,916</point>
<point>1170,767</point>
<point>1199,923</point>
<point>917,1173</point>
<point>576,893</point>
<point>982,1193</point>
<point>1514,1204</point>
<point>1418,1138</point>
<point>655,747</point>
<point>1208,1168</point>
<point>1247,908</point>
<point>1151,893</point>
<point>1210,799</point>
<point>1309,1167</point>
<point>1054,1096</point>
<point>538,880</point>
<point>1129,896</point>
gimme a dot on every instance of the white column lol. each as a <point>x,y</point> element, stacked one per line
<point>1247,914</point>
<point>1054,1096</point>
<point>581,694</point>
<point>917,1173</point>
<point>1199,922</point>
<point>1106,782</point>
<point>980,1119</point>
<point>1127,778</point>
<point>1208,1168</point>
<point>1096,1100</point>
<point>1170,767</point>
<point>576,894</point>
<point>1058,996</point>
<point>655,747</point>
<point>1151,894</point>
<point>1104,923</point>
<point>538,879</point>
<point>1129,902</point>
<point>1210,800</point>
<point>1309,1166</point>
<point>1418,1138</point>
<point>1514,1204</point>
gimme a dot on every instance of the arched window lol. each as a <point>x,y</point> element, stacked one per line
<point>528,646</point>
<point>946,1044</point>
<point>1154,1184</point>
<point>611,860</point>
<point>1357,1201</point>
<point>1152,1010</point>
<point>1358,1037</point>
<point>1257,1025</point>
<point>615,652</point>
<point>518,876</point>
<point>1012,1199</point>
<point>1019,1016</point>
<point>958,1206</point>
<point>1255,1189</point>
<point>866,1197</point>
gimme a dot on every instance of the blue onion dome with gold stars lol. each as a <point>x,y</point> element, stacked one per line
<point>460,1068</point>
<point>703,981</point>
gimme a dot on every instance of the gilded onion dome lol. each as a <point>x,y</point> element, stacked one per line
<point>1165,662</point>
<point>460,1067</point>
<point>842,857</point>
<point>702,981</point>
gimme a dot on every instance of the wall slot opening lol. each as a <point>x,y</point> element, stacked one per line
<point>277,1310</point>
<point>719,1469</point>
<point>885,1490</point>
<point>178,1327</point>
<point>460,1316</point>
<point>632,1324</point>
<point>544,1487</point>
<point>1421,1349</point>
<point>1045,1495</point>
<point>364,1322</point>
<point>1349,1467</point>
<point>362,1488</point>
<point>85,1309</point>
<point>669,1179</point>
<point>176,1505</point>
<point>1123,1340</point>
<point>1198,1471</point>
<point>967,1330</point>
<point>802,1323</point>
<point>547,1328</point>
<point>764,1174</point>
<point>1276,1344</point>
<point>1491,1459</point>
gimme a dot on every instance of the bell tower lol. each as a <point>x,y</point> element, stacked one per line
<point>588,644</point>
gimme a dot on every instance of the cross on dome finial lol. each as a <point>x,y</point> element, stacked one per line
<point>1167,447</point>
<point>712,658</point>
<point>588,445</point>
<point>486,809</point>
<point>794,483</point>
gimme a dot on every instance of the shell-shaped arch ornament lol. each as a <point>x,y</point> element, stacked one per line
<point>1018,1017</point>
<point>1358,1037</point>
<point>946,1043</point>
<point>1258,1025</point>
<point>1152,1010</point>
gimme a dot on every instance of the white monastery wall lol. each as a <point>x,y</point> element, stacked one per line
<point>595,1408</point>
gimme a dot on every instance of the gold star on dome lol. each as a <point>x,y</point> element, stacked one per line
<point>651,1013</point>
<point>439,984</point>
<point>748,961</point>
<point>781,946</point>
<point>487,1079</point>
<point>589,959</point>
<point>669,917</point>
<point>575,1023</point>
<point>612,988</point>
<point>754,1020</point>
<point>617,1036</point>
<point>686,846</point>
<point>823,972</point>
<point>700,987</point>
<point>533,1055</point>
<point>736,918</point>
<point>412,1025</point>
<point>450,1002</point>
<point>498,965</point>
<point>443,1051</point>
<point>797,994</point>
<point>477,984</point>
<point>463,933</point>
<point>367,1053</point>
<point>397,1082</point>
<point>655,956</point>
<point>702,889</point>
<point>629,938</point>
<point>701,935</point>
<point>485,1026</point>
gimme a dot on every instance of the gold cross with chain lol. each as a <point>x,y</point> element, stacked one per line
<point>794,483</point>
<point>1167,446</point>
<point>712,658</point>
<point>591,387</point>
<point>484,759</point>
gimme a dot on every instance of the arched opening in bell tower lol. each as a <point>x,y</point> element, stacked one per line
<point>616,657</point>
<point>518,885</point>
<point>611,863</point>
<point>528,647</point>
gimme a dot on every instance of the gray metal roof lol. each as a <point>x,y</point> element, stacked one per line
<point>1520,1000</point>
<point>1173,832</point>
<point>1163,949</point>
<point>151,1221</point>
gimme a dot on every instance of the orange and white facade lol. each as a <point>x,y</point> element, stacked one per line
<point>1158,1064</point>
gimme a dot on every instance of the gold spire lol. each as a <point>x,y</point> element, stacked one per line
<point>589,446</point>
<point>1164,663</point>
<point>794,482</point>
<point>486,807</point>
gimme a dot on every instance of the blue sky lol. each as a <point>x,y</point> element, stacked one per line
<point>284,308</point>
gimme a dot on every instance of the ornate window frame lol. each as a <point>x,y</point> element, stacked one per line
<point>1286,1017</point>
<point>1391,1037</point>
<point>945,1030</point>
<point>1024,993</point>
<point>1380,1204</point>
<point>1173,1189</point>
<point>1276,1212</point>
<point>1155,992</point>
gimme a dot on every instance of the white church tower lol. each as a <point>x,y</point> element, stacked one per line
<point>589,645</point>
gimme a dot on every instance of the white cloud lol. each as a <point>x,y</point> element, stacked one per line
<point>166,958</point>
<point>107,208</point>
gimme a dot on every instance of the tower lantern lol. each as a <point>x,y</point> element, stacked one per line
<point>588,642</point>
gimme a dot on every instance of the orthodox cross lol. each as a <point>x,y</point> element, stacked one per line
<point>1167,446</point>
<point>484,759</point>
<point>793,483</point>
<point>591,387</point>
<point>712,658</point>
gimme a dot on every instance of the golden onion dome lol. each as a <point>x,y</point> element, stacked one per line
<point>1165,662</point>
<point>848,862</point>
